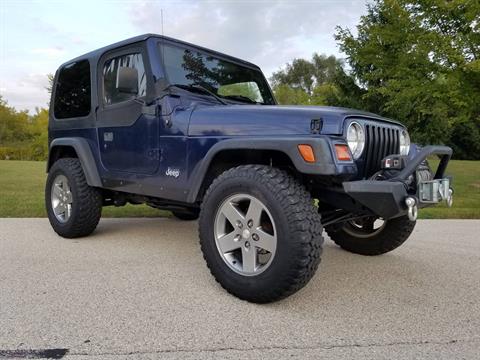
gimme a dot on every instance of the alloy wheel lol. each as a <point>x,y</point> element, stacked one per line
<point>245,234</point>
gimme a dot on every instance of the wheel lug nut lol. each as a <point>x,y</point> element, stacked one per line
<point>255,237</point>
<point>237,238</point>
<point>250,223</point>
<point>239,224</point>
<point>247,244</point>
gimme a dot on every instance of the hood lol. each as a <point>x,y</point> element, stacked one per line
<point>231,120</point>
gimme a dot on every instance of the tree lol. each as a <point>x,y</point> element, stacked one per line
<point>23,136</point>
<point>299,75</point>
<point>319,81</point>
<point>49,87</point>
<point>14,126</point>
<point>287,95</point>
<point>39,130</point>
<point>418,61</point>
<point>304,75</point>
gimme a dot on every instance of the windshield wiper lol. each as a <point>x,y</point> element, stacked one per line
<point>240,98</point>
<point>196,87</point>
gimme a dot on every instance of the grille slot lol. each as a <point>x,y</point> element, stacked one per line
<point>380,141</point>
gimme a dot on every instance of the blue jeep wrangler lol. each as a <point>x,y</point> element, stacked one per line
<point>175,126</point>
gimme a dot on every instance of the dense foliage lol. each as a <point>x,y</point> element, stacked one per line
<point>416,61</point>
<point>22,136</point>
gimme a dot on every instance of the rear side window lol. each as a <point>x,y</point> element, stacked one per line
<point>111,94</point>
<point>72,92</point>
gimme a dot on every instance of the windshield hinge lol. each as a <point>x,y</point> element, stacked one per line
<point>151,110</point>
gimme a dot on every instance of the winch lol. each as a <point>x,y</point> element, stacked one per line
<point>422,187</point>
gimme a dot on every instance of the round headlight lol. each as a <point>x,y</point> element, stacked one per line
<point>355,139</point>
<point>404,142</point>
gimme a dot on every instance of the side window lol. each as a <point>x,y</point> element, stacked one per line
<point>111,93</point>
<point>72,92</point>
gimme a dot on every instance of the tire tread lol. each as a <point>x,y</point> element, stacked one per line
<point>89,200</point>
<point>304,225</point>
<point>395,233</point>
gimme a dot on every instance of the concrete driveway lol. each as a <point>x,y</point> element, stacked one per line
<point>139,288</point>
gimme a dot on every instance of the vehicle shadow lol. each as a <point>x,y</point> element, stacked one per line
<point>346,280</point>
<point>143,229</point>
<point>341,275</point>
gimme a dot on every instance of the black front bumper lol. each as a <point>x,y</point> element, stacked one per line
<point>386,198</point>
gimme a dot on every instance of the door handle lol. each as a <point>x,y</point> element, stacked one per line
<point>108,136</point>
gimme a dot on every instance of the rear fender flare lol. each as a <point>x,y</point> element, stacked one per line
<point>84,153</point>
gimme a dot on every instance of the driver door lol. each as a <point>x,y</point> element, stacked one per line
<point>128,139</point>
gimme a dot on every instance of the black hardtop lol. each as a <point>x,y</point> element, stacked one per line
<point>96,54</point>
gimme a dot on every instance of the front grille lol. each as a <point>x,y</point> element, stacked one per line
<point>380,141</point>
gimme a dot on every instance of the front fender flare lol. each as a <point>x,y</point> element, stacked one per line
<point>84,153</point>
<point>322,146</point>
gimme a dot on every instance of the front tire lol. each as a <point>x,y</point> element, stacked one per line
<point>362,238</point>
<point>73,207</point>
<point>260,234</point>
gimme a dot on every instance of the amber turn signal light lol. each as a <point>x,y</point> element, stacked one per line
<point>343,154</point>
<point>307,153</point>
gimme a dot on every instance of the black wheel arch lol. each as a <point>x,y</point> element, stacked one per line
<point>261,150</point>
<point>79,148</point>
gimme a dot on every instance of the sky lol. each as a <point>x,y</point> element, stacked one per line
<point>38,36</point>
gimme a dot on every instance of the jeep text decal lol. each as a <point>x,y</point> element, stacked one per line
<point>172,172</point>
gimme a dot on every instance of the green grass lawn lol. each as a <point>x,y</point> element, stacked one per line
<point>22,187</point>
<point>466,196</point>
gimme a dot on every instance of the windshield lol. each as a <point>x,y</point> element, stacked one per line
<point>225,79</point>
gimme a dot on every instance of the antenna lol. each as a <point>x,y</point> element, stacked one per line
<point>161,16</point>
<point>162,40</point>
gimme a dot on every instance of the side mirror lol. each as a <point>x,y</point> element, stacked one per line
<point>127,80</point>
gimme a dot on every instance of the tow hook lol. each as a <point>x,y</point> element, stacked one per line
<point>412,208</point>
<point>450,197</point>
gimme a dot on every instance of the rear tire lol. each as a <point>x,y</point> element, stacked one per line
<point>393,234</point>
<point>285,236</point>
<point>73,207</point>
